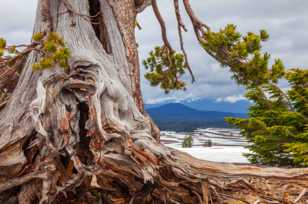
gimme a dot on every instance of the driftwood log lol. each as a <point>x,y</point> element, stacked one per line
<point>83,136</point>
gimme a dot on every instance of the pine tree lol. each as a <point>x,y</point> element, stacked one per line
<point>188,141</point>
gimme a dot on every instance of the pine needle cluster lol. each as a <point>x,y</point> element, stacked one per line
<point>54,52</point>
<point>165,68</point>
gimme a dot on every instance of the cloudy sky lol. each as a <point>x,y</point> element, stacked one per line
<point>285,20</point>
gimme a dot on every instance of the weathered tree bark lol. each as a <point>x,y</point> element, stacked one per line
<point>83,136</point>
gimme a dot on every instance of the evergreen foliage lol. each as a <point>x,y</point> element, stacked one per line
<point>241,53</point>
<point>165,68</point>
<point>51,48</point>
<point>277,125</point>
<point>54,51</point>
<point>187,142</point>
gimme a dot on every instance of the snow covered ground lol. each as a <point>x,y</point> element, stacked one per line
<point>218,154</point>
<point>227,144</point>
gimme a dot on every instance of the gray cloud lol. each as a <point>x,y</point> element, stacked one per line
<point>284,19</point>
<point>16,20</point>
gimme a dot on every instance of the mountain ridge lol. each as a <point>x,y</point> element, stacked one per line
<point>179,117</point>
<point>208,104</point>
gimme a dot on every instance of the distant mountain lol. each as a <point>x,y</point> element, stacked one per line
<point>207,104</point>
<point>177,111</point>
<point>179,117</point>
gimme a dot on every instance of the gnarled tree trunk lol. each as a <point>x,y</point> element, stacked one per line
<point>84,137</point>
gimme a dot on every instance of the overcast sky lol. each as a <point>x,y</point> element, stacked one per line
<point>285,20</point>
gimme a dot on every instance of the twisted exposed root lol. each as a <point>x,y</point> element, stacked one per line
<point>111,155</point>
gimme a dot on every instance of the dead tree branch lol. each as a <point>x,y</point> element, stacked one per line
<point>181,27</point>
<point>162,24</point>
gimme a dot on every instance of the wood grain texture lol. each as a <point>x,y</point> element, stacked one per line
<point>81,137</point>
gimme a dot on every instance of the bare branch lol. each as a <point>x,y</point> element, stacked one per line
<point>180,27</point>
<point>198,25</point>
<point>72,11</point>
<point>162,24</point>
<point>142,4</point>
<point>178,15</point>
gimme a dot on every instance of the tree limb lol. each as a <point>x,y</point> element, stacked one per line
<point>162,24</point>
<point>180,27</point>
<point>142,4</point>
